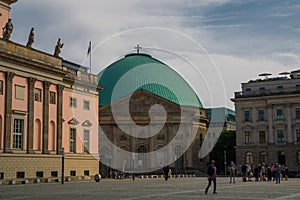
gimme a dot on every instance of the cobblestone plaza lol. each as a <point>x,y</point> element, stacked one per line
<point>155,188</point>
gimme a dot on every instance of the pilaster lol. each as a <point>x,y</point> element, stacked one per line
<point>8,112</point>
<point>30,129</point>
<point>46,116</point>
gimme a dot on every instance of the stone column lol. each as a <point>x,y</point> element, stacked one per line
<point>30,129</point>
<point>289,123</point>
<point>115,143</point>
<point>8,112</point>
<point>270,121</point>
<point>46,116</point>
<point>59,119</point>
<point>152,162</point>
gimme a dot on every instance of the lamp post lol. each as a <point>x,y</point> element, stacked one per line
<point>62,165</point>
<point>225,163</point>
<point>133,166</point>
<point>175,166</point>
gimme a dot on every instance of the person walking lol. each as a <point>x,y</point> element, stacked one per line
<point>166,170</point>
<point>277,173</point>
<point>212,177</point>
<point>232,172</point>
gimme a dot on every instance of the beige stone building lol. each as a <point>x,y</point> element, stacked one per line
<point>268,121</point>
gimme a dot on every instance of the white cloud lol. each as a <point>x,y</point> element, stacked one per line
<point>239,55</point>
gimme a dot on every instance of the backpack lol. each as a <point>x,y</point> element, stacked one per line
<point>210,170</point>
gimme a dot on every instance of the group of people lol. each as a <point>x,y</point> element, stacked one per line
<point>263,172</point>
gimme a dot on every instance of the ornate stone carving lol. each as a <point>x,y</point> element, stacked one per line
<point>47,85</point>
<point>30,38</point>
<point>9,77</point>
<point>31,81</point>
<point>58,48</point>
<point>7,30</point>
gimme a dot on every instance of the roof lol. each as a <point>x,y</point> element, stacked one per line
<point>220,114</point>
<point>141,71</point>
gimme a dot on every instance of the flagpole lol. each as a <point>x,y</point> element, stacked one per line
<point>90,57</point>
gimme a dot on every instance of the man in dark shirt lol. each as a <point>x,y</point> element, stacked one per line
<point>212,177</point>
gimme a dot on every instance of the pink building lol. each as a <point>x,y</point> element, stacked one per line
<point>46,104</point>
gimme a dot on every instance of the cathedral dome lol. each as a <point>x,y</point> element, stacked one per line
<point>141,71</point>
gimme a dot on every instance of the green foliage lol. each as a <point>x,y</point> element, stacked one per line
<point>226,142</point>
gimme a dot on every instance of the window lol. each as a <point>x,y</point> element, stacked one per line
<point>247,116</point>
<point>160,137</point>
<point>298,158</point>
<point>1,87</point>
<point>280,136</point>
<point>262,137</point>
<point>262,89</point>
<point>263,157</point>
<point>86,140</point>
<point>18,133</point>
<point>72,140</point>
<point>86,173</point>
<point>37,94</point>
<point>298,135</point>
<point>279,114</point>
<point>279,86</point>
<point>248,90</point>
<point>19,92</point>
<point>247,137</point>
<point>73,102</point>
<point>1,175</point>
<point>297,86</point>
<point>122,136</point>
<point>20,174</point>
<point>261,115</point>
<point>297,113</point>
<point>39,174</point>
<point>249,158</point>
<point>72,173</point>
<point>86,105</point>
<point>54,174</point>
<point>52,98</point>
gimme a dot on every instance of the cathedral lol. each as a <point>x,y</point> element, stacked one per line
<point>142,95</point>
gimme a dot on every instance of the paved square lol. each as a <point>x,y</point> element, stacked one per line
<point>174,189</point>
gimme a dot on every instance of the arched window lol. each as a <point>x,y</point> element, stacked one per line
<point>1,135</point>
<point>179,162</point>
<point>263,157</point>
<point>249,158</point>
<point>52,136</point>
<point>281,158</point>
<point>37,135</point>
<point>142,157</point>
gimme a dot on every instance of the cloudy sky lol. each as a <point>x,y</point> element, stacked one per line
<point>214,44</point>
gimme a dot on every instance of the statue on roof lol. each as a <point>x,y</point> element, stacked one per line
<point>58,48</point>
<point>7,30</point>
<point>30,38</point>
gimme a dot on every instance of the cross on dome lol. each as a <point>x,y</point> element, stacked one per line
<point>138,48</point>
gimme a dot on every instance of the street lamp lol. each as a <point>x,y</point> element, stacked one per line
<point>225,163</point>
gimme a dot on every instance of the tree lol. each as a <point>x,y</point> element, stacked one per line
<point>226,142</point>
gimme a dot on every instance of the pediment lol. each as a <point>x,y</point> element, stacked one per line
<point>247,126</point>
<point>73,121</point>
<point>87,123</point>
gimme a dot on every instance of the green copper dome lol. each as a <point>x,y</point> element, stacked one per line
<point>141,71</point>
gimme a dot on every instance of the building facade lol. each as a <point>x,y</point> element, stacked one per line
<point>181,112</point>
<point>48,105</point>
<point>268,121</point>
